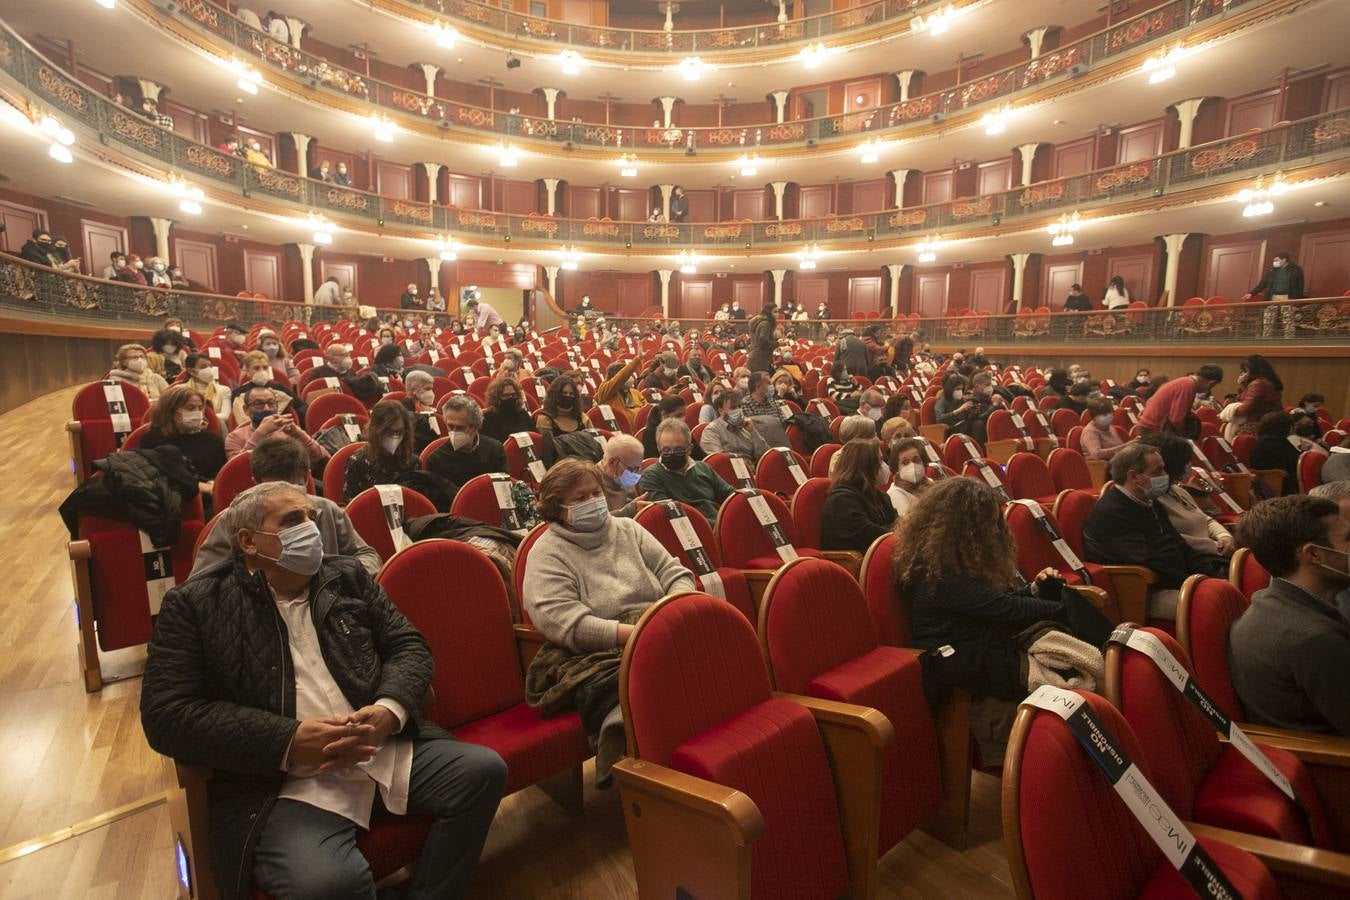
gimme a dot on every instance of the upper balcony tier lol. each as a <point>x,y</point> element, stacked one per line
<point>1061,75</point>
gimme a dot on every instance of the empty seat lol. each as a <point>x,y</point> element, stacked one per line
<point>1069,471</point>
<point>1028,478</point>
<point>378,514</point>
<point>328,405</point>
<point>479,499</point>
<point>745,541</point>
<point>660,520</point>
<point>782,471</point>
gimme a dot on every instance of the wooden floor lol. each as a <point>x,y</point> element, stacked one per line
<point>67,756</point>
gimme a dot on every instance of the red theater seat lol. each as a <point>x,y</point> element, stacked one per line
<point>368,517</point>
<point>782,471</point>
<point>91,427</point>
<point>1246,574</point>
<point>656,519</point>
<point>741,538</point>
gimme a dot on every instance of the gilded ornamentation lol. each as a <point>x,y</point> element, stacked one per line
<point>660,232</point>
<point>535,225</point>
<point>918,108</point>
<point>418,103</point>
<point>81,296</point>
<point>1143,29</point>
<point>908,217</point>
<point>151,303</point>
<point>600,228</point>
<point>474,12</point>
<point>975,206</point>
<point>472,115</point>
<point>202,158</point>
<point>834,225</point>
<point>53,85</point>
<point>413,211</point>
<point>16,281</point>
<point>716,232</point>
<point>276,181</point>
<point>783,31</point>
<point>783,229</point>
<point>1105,325</point>
<point>1209,160</point>
<point>724,137</point>
<point>787,131</point>
<point>980,90</point>
<point>599,134</point>
<point>135,129</point>
<point>346,199</point>
<point>538,28</point>
<point>1042,193</point>
<point>1332,130</point>
<point>1124,176</point>
<point>202,12</point>
<point>476,220</point>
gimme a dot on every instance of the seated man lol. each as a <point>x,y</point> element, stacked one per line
<point>260,404</point>
<point>467,454</point>
<point>872,404</point>
<point>337,362</point>
<point>1291,649</point>
<point>731,432</point>
<point>622,468</point>
<point>665,375</point>
<point>680,478</point>
<point>1128,527</point>
<point>279,459</point>
<point>302,731</point>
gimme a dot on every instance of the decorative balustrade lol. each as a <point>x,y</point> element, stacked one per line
<point>1130,35</point>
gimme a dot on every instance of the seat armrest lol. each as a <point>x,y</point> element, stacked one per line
<point>1316,749</point>
<point>1131,584</point>
<point>1292,864</point>
<point>757,580</point>
<point>1095,595</point>
<point>528,642</point>
<point>849,559</point>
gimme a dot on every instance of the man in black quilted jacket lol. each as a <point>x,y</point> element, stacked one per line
<point>295,679</point>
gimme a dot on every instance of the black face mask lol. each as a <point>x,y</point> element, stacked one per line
<point>1307,431</point>
<point>508,404</point>
<point>674,459</point>
<point>566,402</point>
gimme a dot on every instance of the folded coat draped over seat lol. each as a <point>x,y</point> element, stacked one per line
<point>146,487</point>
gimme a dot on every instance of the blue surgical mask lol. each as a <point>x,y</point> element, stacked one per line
<point>628,480</point>
<point>588,515</point>
<point>736,416</point>
<point>259,415</point>
<point>301,548</point>
<point>1158,485</point>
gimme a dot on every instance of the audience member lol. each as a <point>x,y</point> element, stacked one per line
<point>1337,465</point>
<point>588,578</point>
<point>1128,527</point>
<point>341,176</point>
<point>560,413</point>
<point>731,432</point>
<point>665,375</point>
<point>1116,295</point>
<point>1077,301</point>
<point>388,362</point>
<point>1290,650</point>
<point>1273,449</point>
<point>1076,400</point>
<point>1169,408</point>
<point>117,261</point>
<point>617,388</point>
<point>388,456</point>
<point>467,453</point>
<point>671,406</point>
<point>1260,392</point>
<point>695,367</point>
<point>506,413</point>
<point>1097,439</point>
<point>256,371</point>
<point>621,469</point>
<point>280,361</point>
<point>329,293</point>
<point>909,468</point>
<point>281,459</point>
<point>1196,527</point>
<point>857,509</point>
<point>264,420</point>
<point>679,476</point>
<point>484,316</point>
<point>302,773</point>
<point>204,376</point>
<point>131,367</point>
<point>169,346</point>
<point>179,420</point>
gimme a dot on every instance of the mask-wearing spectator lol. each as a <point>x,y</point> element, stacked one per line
<point>506,413</point>
<point>467,453</point>
<point>909,474</point>
<point>265,420</point>
<point>857,510</point>
<point>179,420</point>
<point>732,432</point>
<point>388,456</point>
<point>679,476</point>
<point>622,468</point>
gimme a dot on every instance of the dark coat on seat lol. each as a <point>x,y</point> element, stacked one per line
<point>147,487</point>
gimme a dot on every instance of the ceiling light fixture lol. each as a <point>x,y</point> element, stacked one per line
<point>509,156</point>
<point>1163,66</point>
<point>813,54</point>
<point>688,262</point>
<point>628,164</point>
<point>192,196</point>
<point>60,153</point>
<point>572,62</point>
<point>444,34</point>
<point>806,258</point>
<point>937,22</point>
<point>928,249</point>
<point>1260,198</point>
<point>249,77</point>
<point>691,68</point>
<point>748,164</point>
<point>322,228</point>
<point>106,4</point>
<point>996,122</point>
<point>449,248</point>
<point>869,150</point>
<point>571,257</point>
<point>1062,231</point>
<point>383,128</point>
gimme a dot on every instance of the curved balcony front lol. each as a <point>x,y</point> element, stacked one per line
<point>1102,56</point>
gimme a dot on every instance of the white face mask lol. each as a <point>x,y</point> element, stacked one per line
<point>271,349</point>
<point>1104,420</point>
<point>958,394</point>
<point>460,440</point>
<point>588,515</point>
<point>427,397</point>
<point>191,419</point>
<point>912,473</point>
<point>261,377</point>
<point>206,374</point>
<point>136,365</point>
<point>301,548</point>
<point>1276,263</point>
<point>874,413</point>
<point>391,443</point>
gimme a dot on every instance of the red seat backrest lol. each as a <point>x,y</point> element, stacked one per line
<point>1071,511</point>
<point>774,472</point>
<point>741,537</point>
<point>958,449</point>
<point>328,405</point>
<point>233,479</point>
<point>808,508</point>
<point>1208,609</point>
<point>1246,574</point>
<point>335,473</point>
<point>90,408</point>
<point>654,519</point>
<point>888,609</point>
<point>820,459</point>
<point>477,499</point>
<point>720,462</point>
<point>1069,471</point>
<point>1061,420</point>
<point>517,465</point>
<point>366,511</point>
<point>469,628</point>
<point>928,412</point>
<point>1310,469</point>
<point>1074,439</point>
<point>430,449</point>
<point>1028,477</point>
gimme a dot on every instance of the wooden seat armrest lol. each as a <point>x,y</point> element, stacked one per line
<point>191,775</point>
<point>80,550</point>
<point>1316,749</point>
<point>849,559</point>
<point>74,426</point>
<point>1303,865</point>
<point>1131,585</point>
<point>1095,595</point>
<point>879,730</point>
<point>1132,571</point>
<point>528,641</point>
<point>757,580</point>
<point>732,808</point>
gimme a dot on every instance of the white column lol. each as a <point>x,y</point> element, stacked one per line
<point>899,176</point>
<point>161,227</point>
<point>1019,262</point>
<point>551,98</point>
<point>307,270</point>
<point>664,275</point>
<point>434,267</point>
<point>433,172</point>
<point>780,104</point>
<point>551,195</point>
<point>667,109</point>
<point>1173,243</point>
<point>429,72</point>
<point>296,27</point>
<point>779,189</point>
<point>904,77</point>
<point>1028,154</point>
<point>778,276</point>
<point>666,191</point>
<point>1186,111</point>
<point>551,274</point>
<point>1035,38</point>
<point>302,142</point>
<point>150,90</point>
<point>896,270</point>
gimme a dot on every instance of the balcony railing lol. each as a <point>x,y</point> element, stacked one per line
<point>1072,60</point>
<point>1308,141</point>
<point>39,292</point>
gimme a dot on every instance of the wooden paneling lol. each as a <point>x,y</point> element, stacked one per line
<point>1137,270</point>
<point>464,192</point>
<point>702,206</point>
<point>262,273</point>
<point>518,197</point>
<point>748,205</point>
<point>585,202</point>
<point>393,180</point>
<point>344,272</point>
<point>1073,158</point>
<point>937,187</point>
<point>1233,267</point>
<point>1325,259</point>
<point>930,293</point>
<point>187,122</point>
<point>100,240</point>
<point>988,287</point>
<point>19,222</point>
<point>871,196</point>
<point>1056,279</point>
<point>864,294</point>
<point>576,12</point>
<point>198,261</point>
<point>695,300</point>
<point>630,205</point>
<point>634,294</point>
<point>486,273</point>
<point>749,294</point>
<point>815,201</point>
<point>1336,92</point>
<point>1255,112</point>
<point>994,177</point>
<point>861,95</point>
<point>812,290</point>
<point>1139,142</point>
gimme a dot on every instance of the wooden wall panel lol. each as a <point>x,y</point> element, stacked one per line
<point>994,177</point>
<point>465,192</point>
<point>1073,158</point>
<point>1336,92</point>
<point>1137,270</point>
<point>1233,267</point>
<point>749,294</point>
<point>695,300</point>
<point>262,273</point>
<point>393,180</point>
<point>633,294</point>
<point>519,197</point>
<point>346,274</point>
<point>864,295</point>
<point>198,261</point>
<point>1325,259</point>
<point>930,292</point>
<point>988,287</point>
<point>815,201</point>
<point>19,222</point>
<point>584,201</point>
<point>813,290</point>
<point>1139,141</point>
<point>749,205</point>
<point>871,196</point>
<point>1056,279</point>
<point>862,95</point>
<point>937,187</point>
<point>1254,112</point>
<point>702,206</point>
<point>630,205</point>
<point>100,241</point>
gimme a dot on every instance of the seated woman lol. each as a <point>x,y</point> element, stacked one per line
<point>132,367</point>
<point>1273,449</point>
<point>785,386</point>
<point>857,510</point>
<point>1196,526</point>
<point>169,345</point>
<point>842,389</point>
<point>956,564</point>
<point>179,420</point>
<point>1097,439</point>
<point>672,406</point>
<point>276,354</point>
<point>955,406</point>
<point>204,375</point>
<point>588,578</point>
<point>505,412</point>
<point>388,455</point>
<point>708,411</point>
<point>560,412</point>
<point>851,429</point>
<point>910,470</point>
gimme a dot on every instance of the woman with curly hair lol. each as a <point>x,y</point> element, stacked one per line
<point>956,563</point>
<point>504,412</point>
<point>561,412</point>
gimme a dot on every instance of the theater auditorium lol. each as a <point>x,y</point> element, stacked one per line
<point>675,449</point>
